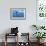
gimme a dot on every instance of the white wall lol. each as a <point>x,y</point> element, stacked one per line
<point>24,25</point>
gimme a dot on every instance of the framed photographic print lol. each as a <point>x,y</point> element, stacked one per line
<point>17,13</point>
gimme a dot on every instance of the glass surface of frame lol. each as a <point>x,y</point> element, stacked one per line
<point>17,13</point>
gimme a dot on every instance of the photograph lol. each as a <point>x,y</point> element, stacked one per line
<point>17,13</point>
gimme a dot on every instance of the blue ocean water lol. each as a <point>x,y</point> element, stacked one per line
<point>18,14</point>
